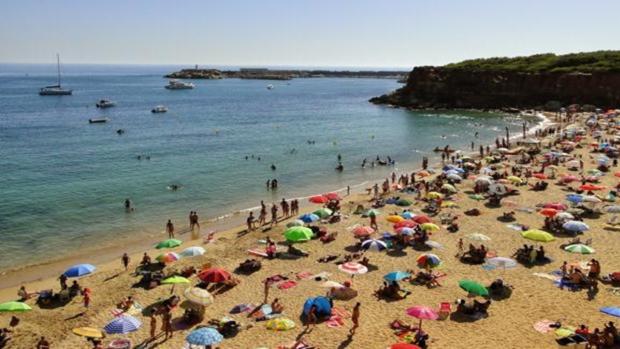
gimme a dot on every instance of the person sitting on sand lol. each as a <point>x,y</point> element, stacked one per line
<point>146,260</point>
<point>276,306</point>
<point>75,289</point>
<point>126,304</point>
<point>24,295</point>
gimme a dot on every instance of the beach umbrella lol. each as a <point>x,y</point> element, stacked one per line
<point>429,227</point>
<point>579,248</point>
<point>14,307</point>
<point>394,219</point>
<point>396,276</point>
<point>454,177</point>
<point>193,251</point>
<point>88,332</point>
<point>169,243</point>
<point>592,199</point>
<point>473,287</point>
<point>434,195</point>
<point>374,245</point>
<point>404,202</point>
<point>575,226</point>
<point>449,188</point>
<point>173,280</point>
<point>613,311</point>
<point>309,218</point>
<point>590,187</point>
<point>295,223</point>
<point>574,198</point>
<point>406,224</point>
<point>612,209</point>
<point>564,332</point>
<point>353,268</point>
<point>332,284</point>
<point>478,237</point>
<point>363,231</point>
<point>476,197</point>
<point>421,219</point>
<point>502,262</point>
<point>79,270</point>
<point>540,176</point>
<point>168,257</point>
<point>322,305</point>
<point>280,324</point>
<point>497,189</point>
<point>548,212</point>
<point>198,296</point>
<point>298,234</point>
<point>214,275</point>
<point>318,199</point>
<point>407,215</point>
<point>422,313</point>
<point>404,346</point>
<point>405,231</point>
<point>428,260</point>
<point>514,180</point>
<point>556,206</point>
<point>332,196</point>
<point>423,174</point>
<point>537,235</point>
<point>323,212</point>
<point>433,244</point>
<point>564,216</point>
<point>204,336</point>
<point>122,324</point>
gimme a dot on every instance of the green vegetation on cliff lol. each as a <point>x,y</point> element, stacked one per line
<point>585,62</point>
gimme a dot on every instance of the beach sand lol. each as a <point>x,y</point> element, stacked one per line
<point>509,324</point>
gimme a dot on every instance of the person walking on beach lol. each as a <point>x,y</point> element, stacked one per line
<point>170,229</point>
<point>348,190</point>
<point>373,221</point>
<point>153,328</point>
<point>125,260</point>
<point>167,324</point>
<point>274,215</point>
<point>355,318</point>
<point>285,208</point>
<point>86,297</point>
<point>250,221</point>
<point>191,220</point>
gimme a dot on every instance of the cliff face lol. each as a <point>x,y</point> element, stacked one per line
<point>438,87</point>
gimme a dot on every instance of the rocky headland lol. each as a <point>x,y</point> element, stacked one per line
<point>268,74</point>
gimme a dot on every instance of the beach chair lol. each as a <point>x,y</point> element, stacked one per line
<point>445,308</point>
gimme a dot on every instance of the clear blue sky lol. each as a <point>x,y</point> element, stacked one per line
<point>397,33</point>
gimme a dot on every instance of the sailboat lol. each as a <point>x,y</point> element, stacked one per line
<point>55,90</point>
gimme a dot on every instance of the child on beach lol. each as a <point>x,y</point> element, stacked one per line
<point>125,260</point>
<point>355,317</point>
<point>170,229</point>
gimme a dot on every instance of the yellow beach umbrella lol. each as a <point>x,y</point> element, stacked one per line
<point>515,179</point>
<point>448,204</point>
<point>537,235</point>
<point>198,295</point>
<point>449,188</point>
<point>394,219</point>
<point>429,226</point>
<point>88,332</point>
<point>434,195</point>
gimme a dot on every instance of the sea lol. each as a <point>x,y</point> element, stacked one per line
<point>63,181</point>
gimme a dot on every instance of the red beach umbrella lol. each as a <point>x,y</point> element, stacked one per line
<point>318,199</point>
<point>332,196</point>
<point>539,175</point>
<point>591,187</point>
<point>404,346</point>
<point>363,231</point>
<point>421,219</point>
<point>405,224</point>
<point>214,275</point>
<point>556,206</point>
<point>548,212</point>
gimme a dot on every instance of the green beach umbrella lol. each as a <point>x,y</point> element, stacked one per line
<point>14,307</point>
<point>579,248</point>
<point>473,287</point>
<point>323,212</point>
<point>170,243</point>
<point>537,235</point>
<point>476,197</point>
<point>372,212</point>
<point>173,280</point>
<point>404,202</point>
<point>298,234</point>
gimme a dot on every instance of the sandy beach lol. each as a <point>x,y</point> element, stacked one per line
<point>509,323</point>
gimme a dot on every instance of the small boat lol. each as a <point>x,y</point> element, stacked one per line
<point>270,87</point>
<point>159,109</point>
<point>105,103</point>
<point>55,90</point>
<point>179,85</point>
<point>97,120</point>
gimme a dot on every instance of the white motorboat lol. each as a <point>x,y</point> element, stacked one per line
<point>55,90</point>
<point>159,109</point>
<point>179,85</point>
<point>97,120</point>
<point>105,103</point>
<point>270,87</point>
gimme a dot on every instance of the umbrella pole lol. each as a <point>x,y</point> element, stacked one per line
<point>420,326</point>
<point>172,289</point>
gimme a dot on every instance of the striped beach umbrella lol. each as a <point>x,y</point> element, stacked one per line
<point>353,268</point>
<point>374,245</point>
<point>122,324</point>
<point>579,248</point>
<point>428,260</point>
<point>204,336</point>
<point>193,251</point>
<point>168,257</point>
<point>405,231</point>
<point>198,295</point>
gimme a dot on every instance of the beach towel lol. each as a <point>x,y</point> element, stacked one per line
<point>135,309</point>
<point>303,275</point>
<point>287,284</point>
<point>515,226</point>
<point>242,308</point>
<point>342,312</point>
<point>334,321</point>
<point>257,252</point>
<point>614,290</point>
<point>275,279</point>
<point>321,276</point>
<point>543,326</point>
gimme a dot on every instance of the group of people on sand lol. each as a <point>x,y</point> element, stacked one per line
<point>289,208</point>
<point>597,338</point>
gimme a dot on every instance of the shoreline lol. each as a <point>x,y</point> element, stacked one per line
<point>227,222</point>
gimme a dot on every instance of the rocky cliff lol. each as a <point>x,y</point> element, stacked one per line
<point>446,87</point>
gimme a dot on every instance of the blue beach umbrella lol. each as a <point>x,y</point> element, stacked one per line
<point>204,336</point>
<point>575,226</point>
<point>79,270</point>
<point>309,218</point>
<point>322,304</point>
<point>613,311</point>
<point>574,198</point>
<point>396,276</point>
<point>407,215</point>
<point>122,324</point>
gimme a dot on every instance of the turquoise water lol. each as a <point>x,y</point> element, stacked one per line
<point>64,180</point>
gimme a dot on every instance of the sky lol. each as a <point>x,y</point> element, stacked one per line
<point>357,33</point>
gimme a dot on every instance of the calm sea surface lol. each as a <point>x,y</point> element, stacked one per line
<point>63,181</point>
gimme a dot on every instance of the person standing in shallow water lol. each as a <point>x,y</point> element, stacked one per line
<point>170,229</point>
<point>274,215</point>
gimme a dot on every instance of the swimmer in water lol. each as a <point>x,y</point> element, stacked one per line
<point>273,167</point>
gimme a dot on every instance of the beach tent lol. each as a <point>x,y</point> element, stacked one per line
<point>323,306</point>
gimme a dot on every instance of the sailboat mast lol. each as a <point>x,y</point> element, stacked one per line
<point>58,67</point>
